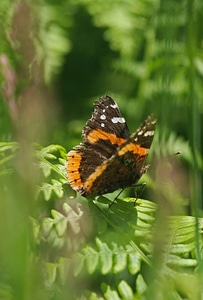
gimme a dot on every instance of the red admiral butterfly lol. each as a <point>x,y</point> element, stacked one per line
<point>109,157</point>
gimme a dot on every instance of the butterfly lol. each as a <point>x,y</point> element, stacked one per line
<point>109,157</point>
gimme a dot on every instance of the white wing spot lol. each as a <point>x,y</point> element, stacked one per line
<point>136,139</point>
<point>149,133</point>
<point>104,110</point>
<point>140,132</point>
<point>114,105</point>
<point>102,125</point>
<point>103,117</point>
<point>118,120</point>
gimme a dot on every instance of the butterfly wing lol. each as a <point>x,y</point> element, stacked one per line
<point>102,135</point>
<point>108,118</point>
<point>126,166</point>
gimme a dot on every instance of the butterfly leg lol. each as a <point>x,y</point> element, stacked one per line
<point>116,197</point>
<point>143,185</point>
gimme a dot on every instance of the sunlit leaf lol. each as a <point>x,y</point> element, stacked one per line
<point>92,258</point>
<point>106,256</point>
<point>119,258</point>
<point>125,290</point>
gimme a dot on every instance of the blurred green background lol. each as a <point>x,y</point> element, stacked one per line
<point>56,59</point>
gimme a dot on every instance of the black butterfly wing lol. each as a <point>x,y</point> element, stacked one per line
<point>102,135</point>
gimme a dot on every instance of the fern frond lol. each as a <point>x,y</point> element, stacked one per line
<point>52,160</point>
<point>7,154</point>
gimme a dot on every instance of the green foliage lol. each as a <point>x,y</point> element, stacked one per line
<point>107,250</point>
<point>7,154</point>
<point>53,64</point>
<point>45,155</point>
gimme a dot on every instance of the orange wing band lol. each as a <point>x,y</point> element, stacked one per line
<point>136,149</point>
<point>74,160</point>
<point>98,134</point>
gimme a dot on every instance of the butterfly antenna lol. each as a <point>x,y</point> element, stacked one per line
<point>171,155</point>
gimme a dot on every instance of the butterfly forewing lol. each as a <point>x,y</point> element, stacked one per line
<point>108,118</point>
